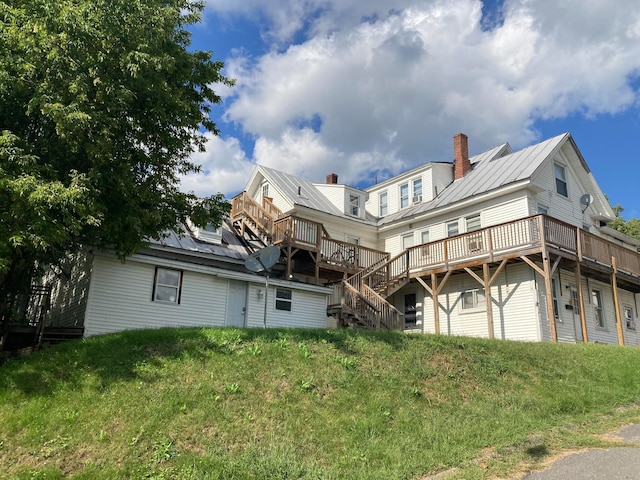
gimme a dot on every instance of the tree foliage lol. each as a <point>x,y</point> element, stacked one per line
<point>628,227</point>
<point>101,105</point>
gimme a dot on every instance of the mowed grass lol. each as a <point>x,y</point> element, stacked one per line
<point>303,404</point>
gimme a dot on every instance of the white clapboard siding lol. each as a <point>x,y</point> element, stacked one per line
<point>69,294</point>
<point>513,305</point>
<point>563,208</point>
<point>120,299</point>
<point>609,333</point>
<point>308,309</point>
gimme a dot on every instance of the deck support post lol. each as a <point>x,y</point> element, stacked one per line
<point>434,295</point>
<point>583,318</point>
<point>616,300</point>
<point>549,294</point>
<point>487,298</point>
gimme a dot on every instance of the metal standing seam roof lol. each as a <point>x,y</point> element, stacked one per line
<point>185,241</point>
<point>491,170</point>
<point>310,196</point>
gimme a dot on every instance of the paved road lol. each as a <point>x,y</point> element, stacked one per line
<point>621,463</point>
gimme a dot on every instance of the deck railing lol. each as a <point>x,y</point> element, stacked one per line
<point>270,208</point>
<point>243,205</point>
<point>490,242</point>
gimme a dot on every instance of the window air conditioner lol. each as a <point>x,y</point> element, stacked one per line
<point>417,198</point>
<point>475,245</point>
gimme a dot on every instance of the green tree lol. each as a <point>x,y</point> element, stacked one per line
<point>628,227</point>
<point>101,105</point>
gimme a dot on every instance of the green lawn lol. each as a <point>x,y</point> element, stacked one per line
<point>289,404</point>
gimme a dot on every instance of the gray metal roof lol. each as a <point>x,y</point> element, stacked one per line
<point>231,248</point>
<point>310,196</point>
<point>491,170</point>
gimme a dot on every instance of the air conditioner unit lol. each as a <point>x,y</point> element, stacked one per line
<point>417,198</point>
<point>475,245</point>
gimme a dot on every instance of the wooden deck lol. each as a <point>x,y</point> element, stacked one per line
<point>365,277</point>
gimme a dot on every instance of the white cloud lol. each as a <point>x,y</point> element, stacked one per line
<point>225,168</point>
<point>391,91</point>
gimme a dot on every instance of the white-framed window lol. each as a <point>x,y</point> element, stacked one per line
<point>424,238</point>
<point>404,195</point>
<point>354,240</point>
<point>354,205</point>
<point>561,179</point>
<point>265,190</point>
<point>407,241</point>
<point>554,294</point>
<point>472,300</point>
<point>167,285</point>
<point>284,298</point>
<point>542,209</point>
<point>453,229</point>
<point>384,204</point>
<point>628,318</point>
<point>417,190</point>
<point>598,310</point>
<point>473,223</point>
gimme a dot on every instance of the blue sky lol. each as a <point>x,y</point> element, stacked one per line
<point>370,89</point>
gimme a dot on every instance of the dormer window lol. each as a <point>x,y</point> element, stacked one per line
<point>354,205</point>
<point>417,190</point>
<point>404,195</point>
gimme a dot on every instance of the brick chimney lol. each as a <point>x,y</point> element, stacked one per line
<point>332,179</point>
<point>461,164</point>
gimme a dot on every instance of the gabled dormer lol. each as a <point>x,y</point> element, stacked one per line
<point>349,200</point>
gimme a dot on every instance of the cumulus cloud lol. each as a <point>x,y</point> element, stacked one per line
<point>373,88</point>
<point>225,168</point>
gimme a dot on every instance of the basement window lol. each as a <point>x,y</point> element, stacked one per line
<point>472,300</point>
<point>284,299</point>
<point>167,285</point>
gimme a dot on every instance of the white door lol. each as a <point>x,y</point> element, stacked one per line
<point>236,304</point>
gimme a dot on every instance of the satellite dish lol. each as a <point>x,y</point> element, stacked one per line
<point>262,259</point>
<point>585,201</point>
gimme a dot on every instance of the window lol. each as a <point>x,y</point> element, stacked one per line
<point>265,190</point>
<point>167,285</point>
<point>554,293</point>
<point>561,179</point>
<point>409,310</point>
<point>283,299</point>
<point>424,238</point>
<point>404,195</point>
<point>473,299</point>
<point>542,209</point>
<point>353,240</point>
<point>417,190</point>
<point>407,241</point>
<point>452,229</point>
<point>628,318</point>
<point>473,223</point>
<point>598,311</point>
<point>384,204</point>
<point>354,205</point>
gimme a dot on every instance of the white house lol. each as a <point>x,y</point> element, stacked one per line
<point>195,279</point>
<point>511,245</point>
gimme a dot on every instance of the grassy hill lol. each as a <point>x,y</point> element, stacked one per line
<point>275,404</point>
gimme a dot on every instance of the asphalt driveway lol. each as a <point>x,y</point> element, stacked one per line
<point>619,463</point>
